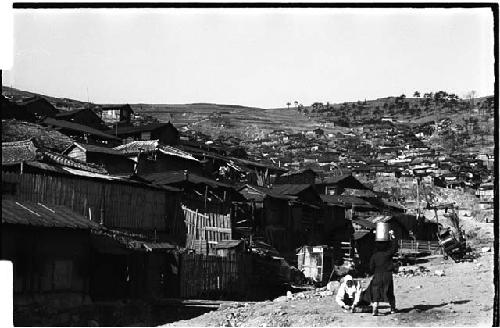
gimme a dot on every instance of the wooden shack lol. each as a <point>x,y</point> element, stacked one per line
<point>84,116</point>
<point>112,160</point>
<point>316,262</point>
<point>49,247</point>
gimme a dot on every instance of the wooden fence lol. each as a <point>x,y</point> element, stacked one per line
<point>210,227</point>
<point>116,204</point>
<point>418,246</point>
<point>214,277</point>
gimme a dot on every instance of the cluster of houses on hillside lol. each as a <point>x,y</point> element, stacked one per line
<point>123,209</point>
<point>386,155</point>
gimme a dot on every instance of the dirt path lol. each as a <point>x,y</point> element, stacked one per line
<point>462,297</point>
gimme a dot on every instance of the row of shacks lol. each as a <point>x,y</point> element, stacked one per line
<point>163,212</point>
<point>146,220</point>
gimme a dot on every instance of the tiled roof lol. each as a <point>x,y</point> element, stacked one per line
<point>13,130</point>
<point>134,147</point>
<point>64,160</point>
<point>38,214</point>
<point>18,151</point>
<point>94,149</point>
<point>78,127</point>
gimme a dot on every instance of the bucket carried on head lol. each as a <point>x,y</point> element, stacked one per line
<point>382,232</point>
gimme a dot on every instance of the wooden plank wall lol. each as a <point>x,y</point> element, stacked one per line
<point>120,205</point>
<point>214,277</point>
<point>211,227</point>
<point>419,246</point>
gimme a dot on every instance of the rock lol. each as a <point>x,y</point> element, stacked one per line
<point>289,295</point>
<point>419,286</point>
<point>281,299</point>
<point>486,249</point>
<point>326,293</point>
<point>332,285</point>
<point>92,323</point>
<point>439,273</point>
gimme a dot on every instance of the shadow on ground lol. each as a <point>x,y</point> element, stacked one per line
<point>426,307</point>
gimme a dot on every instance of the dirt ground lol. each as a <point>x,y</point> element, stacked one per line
<point>462,297</point>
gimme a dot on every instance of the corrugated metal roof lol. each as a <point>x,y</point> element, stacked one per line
<point>332,179</point>
<point>364,223</point>
<point>225,244</point>
<point>291,173</point>
<point>380,218</point>
<point>70,112</point>
<point>175,177</point>
<point>18,151</point>
<point>289,189</point>
<point>266,192</point>
<point>140,128</point>
<point>78,127</point>
<point>38,214</point>
<point>344,200</point>
<point>358,234</point>
<point>168,150</point>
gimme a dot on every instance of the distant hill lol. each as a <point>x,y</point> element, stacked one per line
<point>60,103</point>
<point>251,122</point>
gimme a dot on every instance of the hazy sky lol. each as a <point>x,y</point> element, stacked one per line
<point>256,57</point>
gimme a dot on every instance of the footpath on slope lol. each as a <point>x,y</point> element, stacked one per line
<point>441,293</point>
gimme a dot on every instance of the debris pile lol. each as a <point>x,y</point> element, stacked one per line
<point>407,272</point>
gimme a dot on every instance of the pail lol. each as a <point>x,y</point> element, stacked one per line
<point>382,232</point>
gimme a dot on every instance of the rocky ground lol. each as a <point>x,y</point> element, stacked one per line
<point>435,293</point>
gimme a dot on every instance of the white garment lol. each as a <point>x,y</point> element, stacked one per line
<point>353,292</point>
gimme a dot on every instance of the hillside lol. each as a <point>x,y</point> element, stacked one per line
<point>250,122</point>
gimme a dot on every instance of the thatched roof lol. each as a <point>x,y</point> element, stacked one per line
<point>13,130</point>
<point>18,151</point>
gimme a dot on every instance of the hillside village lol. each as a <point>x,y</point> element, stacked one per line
<point>160,211</point>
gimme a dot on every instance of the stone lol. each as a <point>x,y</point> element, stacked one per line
<point>289,295</point>
<point>486,249</point>
<point>332,285</point>
<point>326,293</point>
<point>281,299</point>
<point>439,273</point>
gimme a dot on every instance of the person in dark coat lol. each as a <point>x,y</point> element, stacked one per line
<point>381,288</point>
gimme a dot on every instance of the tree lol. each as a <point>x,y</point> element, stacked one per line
<point>416,94</point>
<point>288,105</point>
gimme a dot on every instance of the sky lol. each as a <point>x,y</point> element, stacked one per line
<point>254,57</point>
